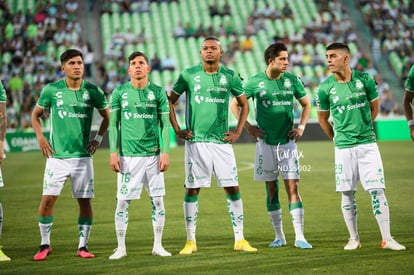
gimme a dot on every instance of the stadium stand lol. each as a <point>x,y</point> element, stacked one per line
<point>35,32</point>
<point>392,24</point>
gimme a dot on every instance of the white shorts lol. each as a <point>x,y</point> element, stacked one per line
<point>203,159</point>
<point>80,172</point>
<point>138,172</point>
<point>274,159</point>
<point>363,163</point>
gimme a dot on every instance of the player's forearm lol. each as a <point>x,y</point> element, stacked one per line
<point>36,123</point>
<point>304,116</point>
<point>173,117</point>
<point>104,123</point>
<point>408,106</point>
<point>374,105</point>
<point>242,119</point>
<point>113,131</point>
<point>165,133</point>
<point>325,125</point>
<point>327,129</point>
<point>234,108</point>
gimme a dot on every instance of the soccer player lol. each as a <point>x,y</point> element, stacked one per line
<point>138,109</point>
<point>208,146</point>
<point>68,152</point>
<point>3,129</point>
<point>351,97</point>
<point>274,92</point>
<point>408,101</point>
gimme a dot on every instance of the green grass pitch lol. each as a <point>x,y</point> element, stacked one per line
<point>324,226</point>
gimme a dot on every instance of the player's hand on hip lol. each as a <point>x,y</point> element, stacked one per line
<point>92,146</point>
<point>231,137</point>
<point>185,134</point>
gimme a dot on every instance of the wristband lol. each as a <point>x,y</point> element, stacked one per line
<point>411,122</point>
<point>98,138</point>
<point>302,127</point>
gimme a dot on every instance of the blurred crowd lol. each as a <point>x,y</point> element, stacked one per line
<point>392,25</point>
<point>30,43</point>
<point>32,39</point>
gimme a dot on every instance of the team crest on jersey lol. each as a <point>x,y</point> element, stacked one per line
<point>151,96</point>
<point>358,84</point>
<point>197,88</point>
<point>86,95</point>
<point>223,80</point>
<point>287,83</point>
<point>59,103</point>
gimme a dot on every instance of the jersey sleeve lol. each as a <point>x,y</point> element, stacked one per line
<point>322,99</point>
<point>44,100</point>
<point>114,119</point>
<point>249,87</point>
<point>299,89</point>
<point>371,86</point>
<point>180,85</point>
<point>115,102</point>
<point>100,99</point>
<point>163,106</point>
<point>236,85</point>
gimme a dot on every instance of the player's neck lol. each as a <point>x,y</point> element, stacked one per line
<point>139,83</point>
<point>211,68</point>
<point>343,76</point>
<point>74,84</point>
<point>273,75</point>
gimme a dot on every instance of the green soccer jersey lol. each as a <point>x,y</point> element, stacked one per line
<point>409,83</point>
<point>2,93</point>
<point>207,101</point>
<point>274,100</point>
<point>71,116</point>
<point>139,114</point>
<point>349,104</point>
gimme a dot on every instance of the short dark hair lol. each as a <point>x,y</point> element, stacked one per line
<point>137,53</point>
<point>338,46</point>
<point>274,51</point>
<point>68,54</point>
<point>211,37</point>
<point>208,38</point>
